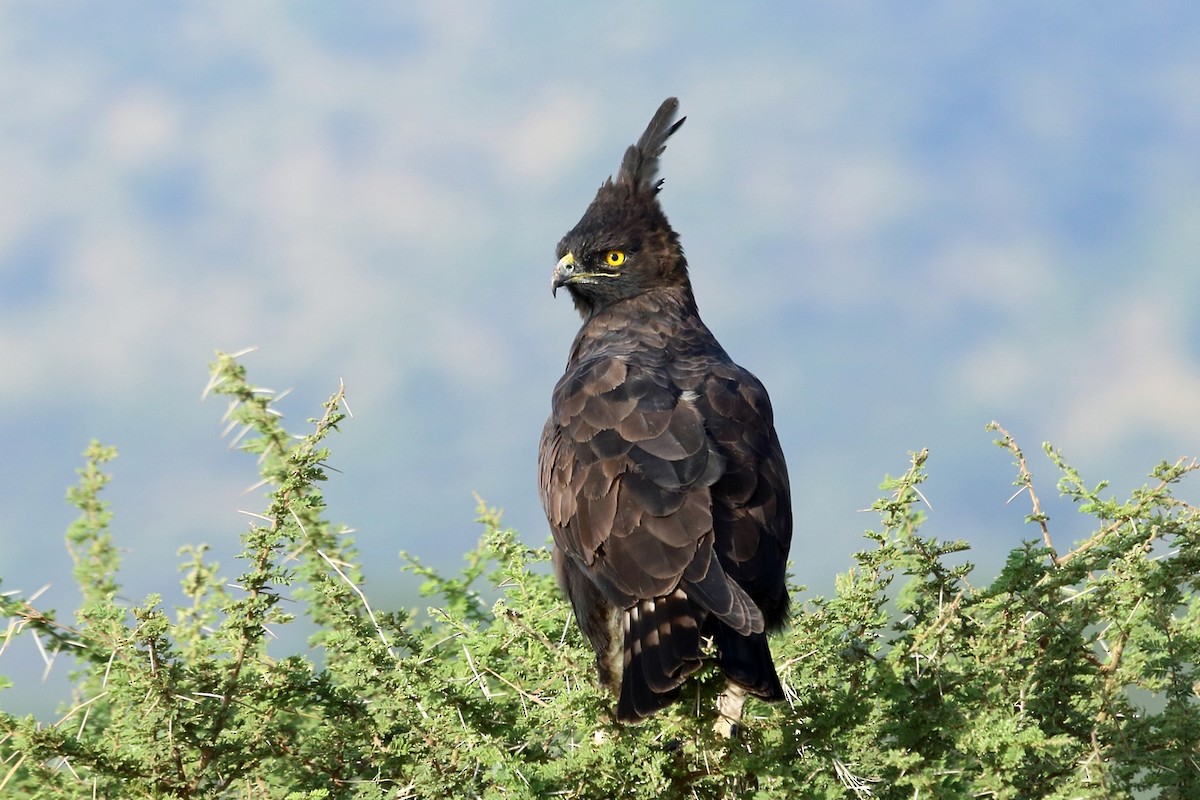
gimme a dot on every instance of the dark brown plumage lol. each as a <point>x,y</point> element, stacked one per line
<point>660,471</point>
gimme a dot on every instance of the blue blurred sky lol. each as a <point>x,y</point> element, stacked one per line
<point>907,220</point>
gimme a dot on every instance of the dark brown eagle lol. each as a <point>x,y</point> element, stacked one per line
<point>660,471</point>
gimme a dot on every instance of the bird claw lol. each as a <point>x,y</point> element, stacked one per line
<point>726,728</point>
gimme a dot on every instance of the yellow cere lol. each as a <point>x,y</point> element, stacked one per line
<point>615,258</point>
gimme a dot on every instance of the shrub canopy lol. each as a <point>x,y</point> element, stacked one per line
<point>1071,675</point>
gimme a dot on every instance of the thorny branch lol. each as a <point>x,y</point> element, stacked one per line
<point>1025,481</point>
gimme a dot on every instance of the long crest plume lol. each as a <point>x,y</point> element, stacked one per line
<point>640,165</point>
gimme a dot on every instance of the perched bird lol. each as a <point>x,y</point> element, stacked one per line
<point>660,470</point>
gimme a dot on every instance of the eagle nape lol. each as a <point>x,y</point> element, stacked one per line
<point>660,471</point>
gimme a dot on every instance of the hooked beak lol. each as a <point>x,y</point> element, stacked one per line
<point>563,272</point>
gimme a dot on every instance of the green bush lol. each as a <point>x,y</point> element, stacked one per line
<point>1072,675</point>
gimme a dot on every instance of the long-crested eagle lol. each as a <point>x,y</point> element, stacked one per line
<point>660,470</point>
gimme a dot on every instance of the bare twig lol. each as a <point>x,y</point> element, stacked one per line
<point>483,687</point>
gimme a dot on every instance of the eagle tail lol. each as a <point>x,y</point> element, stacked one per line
<point>746,660</point>
<point>640,165</point>
<point>662,648</point>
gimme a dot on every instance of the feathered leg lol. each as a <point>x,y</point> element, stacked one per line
<point>729,710</point>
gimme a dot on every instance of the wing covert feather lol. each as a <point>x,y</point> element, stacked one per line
<point>650,480</point>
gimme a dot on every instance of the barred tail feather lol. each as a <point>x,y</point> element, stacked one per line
<point>662,648</point>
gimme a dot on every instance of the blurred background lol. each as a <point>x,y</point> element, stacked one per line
<point>907,221</point>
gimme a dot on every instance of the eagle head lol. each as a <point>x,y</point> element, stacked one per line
<point>624,245</point>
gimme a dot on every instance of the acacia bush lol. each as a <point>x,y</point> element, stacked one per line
<point>1071,675</point>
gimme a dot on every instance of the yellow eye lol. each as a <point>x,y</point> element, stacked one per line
<point>614,258</point>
